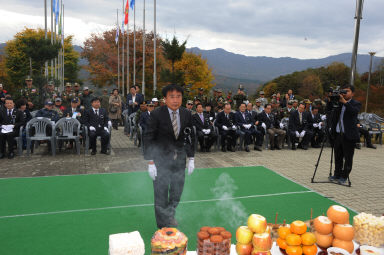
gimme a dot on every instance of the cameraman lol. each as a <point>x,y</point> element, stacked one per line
<point>346,134</point>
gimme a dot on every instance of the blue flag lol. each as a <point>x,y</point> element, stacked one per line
<point>117,35</point>
<point>54,6</point>
<point>57,11</point>
<point>132,4</point>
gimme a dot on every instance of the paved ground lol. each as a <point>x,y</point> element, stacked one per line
<point>365,195</point>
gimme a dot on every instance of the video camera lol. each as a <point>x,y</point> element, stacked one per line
<point>334,96</point>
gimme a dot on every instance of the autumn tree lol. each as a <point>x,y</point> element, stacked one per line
<point>311,87</point>
<point>195,71</point>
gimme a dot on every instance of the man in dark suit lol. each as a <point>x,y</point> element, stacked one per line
<point>168,141</point>
<point>346,134</point>
<point>74,109</point>
<point>134,100</point>
<point>272,126</point>
<point>245,125</point>
<point>204,128</point>
<point>317,128</point>
<point>300,127</point>
<point>10,122</point>
<point>96,119</point>
<point>259,131</point>
<point>225,121</point>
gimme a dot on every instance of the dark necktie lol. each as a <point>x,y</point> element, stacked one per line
<point>97,112</point>
<point>9,113</point>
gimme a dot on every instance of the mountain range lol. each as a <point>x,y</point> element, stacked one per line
<point>230,69</point>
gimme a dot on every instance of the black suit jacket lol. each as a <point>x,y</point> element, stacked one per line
<point>221,120</point>
<point>16,119</point>
<point>240,120</point>
<point>97,121</point>
<point>139,99</point>
<point>352,109</point>
<point>160,141</point>
<point>199,124</point>
<point>144,120</point>
<point>294,122</point>
<point>271,122</point>
<point>68,114</point>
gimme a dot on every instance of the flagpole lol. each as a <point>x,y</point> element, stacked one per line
<point>122,53</point>
<point>134,44</point>
<point>118,52</point>
<point>63,62</point>
<point>154,50</point>
<point>54,40</point>
<point>52,66</point>
<point>125,92</point>
<point>46,35</point>
<point>144,50</point>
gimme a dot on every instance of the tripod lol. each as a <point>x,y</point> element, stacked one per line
<point>328,135</point>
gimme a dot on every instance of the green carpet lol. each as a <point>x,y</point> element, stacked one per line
<point>76,214</point>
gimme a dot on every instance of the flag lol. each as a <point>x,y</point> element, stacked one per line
<point>54,6</point>
<point>126,13</point>
<point>132,4</point>
<point>117,34</point>
<point>57,10</point>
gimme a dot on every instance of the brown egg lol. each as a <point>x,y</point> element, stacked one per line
<point>338,214</point>
<point>346,245</point>
<point>344,232</point>
<point>323,225</point>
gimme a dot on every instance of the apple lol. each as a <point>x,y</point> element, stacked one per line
<point>262,242</point>
<point>257,223</point>
<point>244,249</point>
<point>244,235</point>
<point>257,252</point>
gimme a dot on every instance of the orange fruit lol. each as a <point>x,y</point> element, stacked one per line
<point>298,227</point>
<point>310,249</point>
<point>294,250</point>
<point>283,232</point>
<point>282,243</point>
<point>308,238</point>
<point>293,239</point>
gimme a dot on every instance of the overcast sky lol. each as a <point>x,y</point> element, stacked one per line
<point>275,28</point>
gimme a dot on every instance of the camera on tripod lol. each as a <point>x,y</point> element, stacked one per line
<point>334,96</point>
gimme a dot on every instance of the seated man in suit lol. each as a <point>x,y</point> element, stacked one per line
<point>225,121</point>
<point>48,112</point>
<point>204,128</point>
<point>209,111</point>
<point>246,125</point>
<point>272,127</point>
<point>317,124</point>
<point>96,119</point>
<point>74,111</point>
<point>10,122</point>
<point>367,136</point>
<point>300,127</point>
<point>144,117</point>
<point>259,131</point>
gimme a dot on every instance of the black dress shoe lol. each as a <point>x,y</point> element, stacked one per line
<point>272,148</point>
<point>316,146</point>
<point>223,149</point>
<point>277,148</point>
<point>371,146</point>
<point>208,149</point>
<point>247,148</point>
<point>257,148</point>
<point>232,149</point>
<point>358,146</point>
<point>2,156</point>
<point>293,147</point>
<point>11,155</point>
<point>304,147</point>
<point>93,153</point>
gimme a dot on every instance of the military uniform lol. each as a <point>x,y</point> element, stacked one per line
<point>201,97</point>
<point>31,95</point>
<point>229,98</point>
<point>239,98</point>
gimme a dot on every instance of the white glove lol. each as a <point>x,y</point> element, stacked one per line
<point>210,118</point>
<point>263,125</point>
<point>225,127</point>
<point>191,166</point>
<point>106,129</point>
<point>245,126</point>
<point>92,128</point>
<point>281,125</point>
<point>152,170</point>
<point>109,124</point>
<point>207,131</point>
<point>315,125</point>
<point>234,127</point>
<point>324,117</point>
<point>297,134</point>
<point>302,134</point>
<point>320,124</point>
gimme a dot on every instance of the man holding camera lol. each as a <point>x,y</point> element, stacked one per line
<point>168,141</point>
<point>346,134</point>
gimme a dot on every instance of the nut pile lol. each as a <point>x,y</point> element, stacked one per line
<point>369,229</point>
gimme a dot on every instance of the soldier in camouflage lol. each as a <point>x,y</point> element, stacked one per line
<point>288,109</point>
<point>30,94</point>
<point>67,95</point>
<point>50,93</point>
<point>203,99</point>
<point>262,98</point>
<point>240,97</point>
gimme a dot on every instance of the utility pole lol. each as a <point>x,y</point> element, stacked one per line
<point>154,51</point>
<point>358,17</point>
<point>143,88</point>
<point>46,36</point>
<point>369,79</point>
